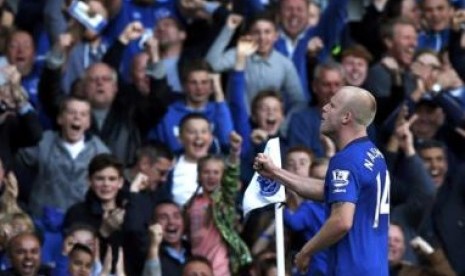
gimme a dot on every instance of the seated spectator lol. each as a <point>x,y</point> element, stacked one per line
<point>61,159</point>
<point>212,233</point>
<point>266,69</point>
<point>199,85</point>
<point>24,253</point>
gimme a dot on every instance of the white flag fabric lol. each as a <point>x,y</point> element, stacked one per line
<point>263,191</point>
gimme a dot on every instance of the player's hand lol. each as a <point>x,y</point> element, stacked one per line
<point>302,261</point>
<point>264,165</point>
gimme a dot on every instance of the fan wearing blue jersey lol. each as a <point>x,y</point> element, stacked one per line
<point>355,190</point>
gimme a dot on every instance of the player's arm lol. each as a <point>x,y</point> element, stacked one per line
<point>334,229</point>
<point>307,187</point>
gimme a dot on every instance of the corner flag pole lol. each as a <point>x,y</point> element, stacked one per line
<point>280,259</point>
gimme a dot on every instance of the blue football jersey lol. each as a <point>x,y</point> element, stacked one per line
<point>358,174</point>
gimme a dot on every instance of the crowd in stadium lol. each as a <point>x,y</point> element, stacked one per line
<point>129,130</point>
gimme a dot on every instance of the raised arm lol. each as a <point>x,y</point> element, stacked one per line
<point>218,59</point>
<point>236,91</point>
<point>307,187</point>
<point>152,266</point>
<point>330,26</point>
<point>230,181</point>
<point>49,84</point>
<point>114,55</point>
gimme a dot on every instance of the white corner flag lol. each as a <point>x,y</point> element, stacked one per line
<point>263,191</point>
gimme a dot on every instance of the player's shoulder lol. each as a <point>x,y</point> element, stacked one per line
<point>361,154</point>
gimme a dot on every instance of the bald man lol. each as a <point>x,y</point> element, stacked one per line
<point>355,189</point>
<point>25,257</point>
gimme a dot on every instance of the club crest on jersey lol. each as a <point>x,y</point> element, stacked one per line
<point>268,187</point>
<point>340,178</point>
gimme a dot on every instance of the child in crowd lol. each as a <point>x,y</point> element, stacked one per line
<point>83,235</point>
<point>196,138</point>
<point>212,214</point>
<point>104,206</point>
<point>81,260</point>
<point>61,159</point>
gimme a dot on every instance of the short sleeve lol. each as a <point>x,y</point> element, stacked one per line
<point>342,182</point>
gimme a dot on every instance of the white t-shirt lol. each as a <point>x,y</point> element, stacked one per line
<point>184,181</point>
<point>74,149</point>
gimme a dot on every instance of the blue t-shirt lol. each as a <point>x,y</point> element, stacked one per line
<point>358,174</point>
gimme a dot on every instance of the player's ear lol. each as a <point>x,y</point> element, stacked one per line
<point>346,117</point>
